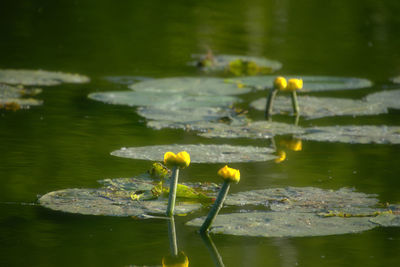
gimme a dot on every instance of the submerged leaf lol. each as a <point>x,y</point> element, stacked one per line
<point>354,134</point>
<point>311,83</point>
<point>200,153</point>
<point>39,77</point>
<point>318,107</point>
<point>120,197</point>
<point>190,86</point>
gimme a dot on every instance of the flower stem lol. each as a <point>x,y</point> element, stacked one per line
<point>216,207</point>
<point>270,103</point>
<point>172,191</point>
<point>295,104</point>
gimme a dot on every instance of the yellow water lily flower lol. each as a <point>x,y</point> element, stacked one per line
<point>294,84</point>
<point>280,83</point>
<point>230,174</point>
<point>293,144</point>
<point>181,160</point>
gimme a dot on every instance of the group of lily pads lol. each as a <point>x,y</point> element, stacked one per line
<point>18,87</point>
<point>207,106</point>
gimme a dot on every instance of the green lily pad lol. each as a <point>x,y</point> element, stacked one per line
<point>39,77</point>
<point>284,224</point>
<point>190,86</point>
<point>293,212</point>
<point>13,98</point>
<point>354,134</point>
<point>319,107</point>
<point>115,198</point>
<point>237,65</point>
<point>126,80</point>
<point>311,83</point>
<point>255,130</point>
<point>164,99</point>
<point>200,153</point>
<point>190,115</point>
<point>387,99</point>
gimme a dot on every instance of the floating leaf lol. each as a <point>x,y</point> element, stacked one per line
<point>258,129</point>
<point>164,99</point>
<point>354,134</point>
<point>318,107</point>
<point>311,83</point>
<point>284,224</point>
<point>190,115</point>
<point>115,198</point>
<point>126,80</point>
<point>39,77</point>
<point>12,98</point>
<point>290,212</point>
<point>396,79</point>
<point>237,65</point>
<point>387,99</point>
<point>189,86</point>
<point>200,153</point>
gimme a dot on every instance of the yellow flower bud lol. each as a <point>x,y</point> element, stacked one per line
<point>181,160</point>
<point>293,144</point>
<point>280,83</point>
<point>230,174</point>
<point>295,84</point>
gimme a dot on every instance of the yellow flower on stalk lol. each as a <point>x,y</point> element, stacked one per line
<point>181,160</point>
<point>230,174</point>
<point>294,84</point>
<point>293,144</point>
<point>280,83</point>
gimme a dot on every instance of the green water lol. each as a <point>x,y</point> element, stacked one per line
<point>66,142</point>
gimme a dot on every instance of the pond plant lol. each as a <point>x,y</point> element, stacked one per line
<point>280,84</point>
<point>180,160</point>
<point>229,175</point>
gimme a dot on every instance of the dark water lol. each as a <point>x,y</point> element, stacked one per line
<point>66,142</point>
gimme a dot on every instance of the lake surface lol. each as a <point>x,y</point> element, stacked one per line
<point>66,142</point>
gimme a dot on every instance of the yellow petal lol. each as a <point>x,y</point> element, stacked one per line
<point>280,83</point>
<point>183,159</point>
<point>295,84</point>
<point>230,174</point>
<point>169,158</point>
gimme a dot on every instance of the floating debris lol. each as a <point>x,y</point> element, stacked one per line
<point>201,153</point>
<point>39,77</point>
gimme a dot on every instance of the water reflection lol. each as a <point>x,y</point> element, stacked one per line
<point>212,249</point>
<point>176,258</point>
